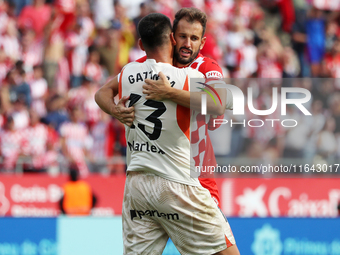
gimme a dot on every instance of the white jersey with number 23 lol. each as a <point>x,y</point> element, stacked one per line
<point>159,139</point>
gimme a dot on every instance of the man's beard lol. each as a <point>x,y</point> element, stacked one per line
<point>185,61</point>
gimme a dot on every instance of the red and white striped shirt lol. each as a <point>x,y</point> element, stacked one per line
<point>66,6</point>
<point>100,134</point>
<point>62,76</point>
<point>10,45</point>
<point>11,143</point>
<point>268,68</point>
<point>76,136</point>
<point>31,57</point>
<point>37,136</point>
<point>83,96</point>
<point>94,71</point>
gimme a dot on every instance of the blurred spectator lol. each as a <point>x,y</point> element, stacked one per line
<point>12,141</point>
<point>247,57</point>
<point>331,61</point>
<point>18,88</point>
<point>290,62</point>
<point>136,52</point>
<point>20,114</point>
<point>76,44</point>
<point>54,55</point>
<point>5,64</point>
<point>64,17</point>
<point>39,91</point>
<point>82,97</point>
<point>102,145</point>
<point>316,123</point>
<point>234,42</point>
<point>334,104</point>
<point>52,157</point>
<point>299,39</point>
<point>211,49</point>
<point>296,137</point>
<point>57,114</point>
<point>108,47</point>
<point>17,5</point>
<point>116,147</point>
<point>31,52</point>
<point>164,7</point>
<point>331,35</point>
<point>84,18</point>
<point>93,68</point>
<point>103,12</point>
<point>9,41</point>
<point>143,11</point>
<point>75,141</point>
<point>326,142</point>
<point>61,78</point>
<point>78,198</point>
<point>126,35</point>
<point>315,31</point>
<point>218,10</point>
<point>35,16</point>
<point>36,147</point>
<point>3,16</point>
<point>272,152</point>
<point>287,13</point>
<point>269,56</point>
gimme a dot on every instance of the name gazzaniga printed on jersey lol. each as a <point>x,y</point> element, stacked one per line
<point>146,75</point>
<point>135,146</point>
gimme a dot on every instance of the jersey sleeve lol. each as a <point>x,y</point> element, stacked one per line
<point>211,69</point>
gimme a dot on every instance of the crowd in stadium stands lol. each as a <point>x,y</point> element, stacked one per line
<point>54,55</point>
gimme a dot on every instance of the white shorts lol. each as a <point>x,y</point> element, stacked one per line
<point>155,209</point>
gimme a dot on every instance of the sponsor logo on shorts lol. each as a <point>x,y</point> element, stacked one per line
<point>153,213</point>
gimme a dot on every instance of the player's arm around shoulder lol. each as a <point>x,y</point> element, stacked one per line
<point>212,70</point>
<point>161,89</point>
<point>216,97</point>
<point>104,97</point>
<point>158,90</point>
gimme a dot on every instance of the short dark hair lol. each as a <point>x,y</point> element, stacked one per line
<point>154,30</point>
<point>191,15</point>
